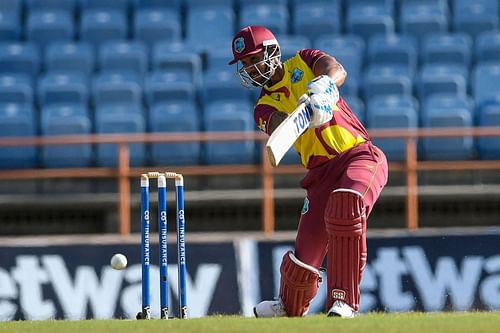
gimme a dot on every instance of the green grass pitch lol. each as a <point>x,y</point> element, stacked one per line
<point>457,322</point>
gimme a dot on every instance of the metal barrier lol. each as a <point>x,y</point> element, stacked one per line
<point>123,172</point>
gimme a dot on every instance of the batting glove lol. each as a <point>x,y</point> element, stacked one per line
<point>323,96</point>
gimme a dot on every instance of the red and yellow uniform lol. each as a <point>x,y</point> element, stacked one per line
<point>316,145</point>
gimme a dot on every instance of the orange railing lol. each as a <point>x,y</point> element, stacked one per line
<point>123,172</point>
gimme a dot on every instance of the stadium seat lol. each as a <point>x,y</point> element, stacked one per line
<point>44,26</point>
<point>70,56</point>
<point>176,116</point>
<point>209,25</point>
<point>10,26</point>
<point>369,19</point>
<point>442,79</point>
<point>396,112</point>
<point>118,5</point>
<point>223,85</point>
<point>17,121</point>
<point>68,6</point>
<point>219,59</point>
<point>65,119</point>
<point>486,83</point>
<point>123,118</point>
<point>240,3</point>
<point>474,17</point>
<point>124,56</point>
<point>152,25</point>
<point>157,4</point>
<point>447,48</point>
<point>16,89</point>
<point>393,50</point>
<point>387,80</point>
<point>21,58</point>
<point>290,44</point>
<point>349,51</point>
<point>313,19</point>
<point>61,88</point>
<point>273,16</point>
<point>229,116</point>
<point>166,86</point>
<point>418,18</point>
<point>117,87</point>
<point>488,47</point>
<point>447,111</point>
<point>190,4</point>
<point>164,58</point>
<point>489,115</point>
<point>100,25</point>
<point>13,7</point>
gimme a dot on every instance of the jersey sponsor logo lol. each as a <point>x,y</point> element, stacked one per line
<point>296,75</point>
<point>276,97</point>
<point>239,44</point>
<point>305,207</point>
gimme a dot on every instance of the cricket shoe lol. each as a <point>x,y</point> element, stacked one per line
<point>267,309</point>
<point>341,309</point>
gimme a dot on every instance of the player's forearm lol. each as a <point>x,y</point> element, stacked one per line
<point>275,120</point>
<point>328,65</point>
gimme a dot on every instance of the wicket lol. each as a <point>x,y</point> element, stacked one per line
<point>162,235</point>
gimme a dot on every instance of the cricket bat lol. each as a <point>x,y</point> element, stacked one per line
<point>288,131</point>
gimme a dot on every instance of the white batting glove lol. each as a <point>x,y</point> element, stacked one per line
<point>323,96</point>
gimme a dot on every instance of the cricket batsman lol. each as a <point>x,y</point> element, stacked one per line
<point>345,172</point>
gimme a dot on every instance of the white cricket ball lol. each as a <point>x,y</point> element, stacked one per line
<point>118,261</point>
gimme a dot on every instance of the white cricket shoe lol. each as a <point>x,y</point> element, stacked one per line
<point>341,309</point>
<point>267,309</point>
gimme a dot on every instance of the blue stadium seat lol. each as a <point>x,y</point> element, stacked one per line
<point>488,47</point>
<point>240,3</point>
<point>68,6</point>
<point>177,116</point>
<point>57,87</point>
<point>219,59</point>
<point>486,83</point>
<point>418,18</point>
<point>101,25</point>
<point>16,121</point>
<point>273,16</point>
<point>447,48</point>
<point>489,115</point>
<point>152,25</point>
<point>369,19</point>
<point>190,4</point>
<point>44,26</point>
<point>10,26</point>
<point>165,86</point>
<point>13,7</point>
<point>124,56</point>
<point>392,112</point>
<point>229,116</point>
<point>442,79</point>
<point>117,87</point>
<point>158,4</point>
<point>387,80</point>
<point>290,44</point>
<point>207,25</point>
<point>357,106</point>
<point>65,119</point>
<point>447,111</point>
<point>119,5</point>
<point>222,85</point>
<point>349,51</point>
<point>22,58</point>
<point>70,56</point>
<point>474,17</point>
<point>313,19</point>
<point>165,58</point>
<point>123,118</point>
<point>393,50</point>
<point>16,89</point>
